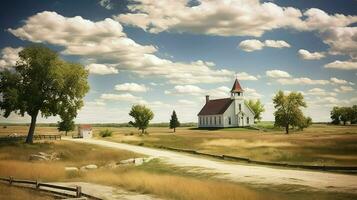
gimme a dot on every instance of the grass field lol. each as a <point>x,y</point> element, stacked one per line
<point>318,145</point>
<point>331,144</point>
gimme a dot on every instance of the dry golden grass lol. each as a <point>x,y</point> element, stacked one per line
<point>14,193</point>
<point>175,187</point>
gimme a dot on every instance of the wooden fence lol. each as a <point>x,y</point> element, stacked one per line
<point>35,137</point>
<point>61,191</point>
<point>347,169</point>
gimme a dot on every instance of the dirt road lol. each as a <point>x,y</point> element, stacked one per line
<point>252,174</point>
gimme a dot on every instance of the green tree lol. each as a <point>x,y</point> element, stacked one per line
<point>42,83</point>
<point>142,116</point>
<point>174,122</point>
<point>304,123</point>
<point>354,114</point>
<point>257,107</point>
<point>66,124</point>
<point>335,115</point>
<point>288,112</point>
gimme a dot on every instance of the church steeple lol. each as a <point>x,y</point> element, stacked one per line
<point>236,90</point>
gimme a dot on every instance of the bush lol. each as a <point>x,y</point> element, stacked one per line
<point>106,133</point>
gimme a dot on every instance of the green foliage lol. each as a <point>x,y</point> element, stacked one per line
<point>288,111</point>
<point>106,133</point>
<point>304,123</point>
<point>67,124</point>
<point>174,122</point>
<point>142,116</point>
<point>344,114</point>
<point>257,107</point>
<point>41,82</point>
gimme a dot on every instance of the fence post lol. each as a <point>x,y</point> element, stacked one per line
<point>37,184</point>
<point>79,191</point>
<point>10,180</point>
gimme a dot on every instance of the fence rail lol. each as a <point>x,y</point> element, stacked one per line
<point>348,169</point>
<point>77,190</point>
<point>35,137</point>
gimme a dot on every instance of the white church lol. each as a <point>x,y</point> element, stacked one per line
<point>227,112</point>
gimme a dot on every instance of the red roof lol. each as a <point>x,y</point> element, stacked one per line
<point>215,107</point>
<point>236,87</point>
<point>85,126</point>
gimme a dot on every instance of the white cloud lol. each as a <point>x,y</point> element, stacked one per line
<point>120,97</point>
<point>224,18</point>
<point>101,69</point>
<point>131,87</point>
<point>320,92</point>
<point>277,74</point>
<point>306,55</point>
<point>338,81</point>
<point>301,81</point>
<point>343,65</point>
<point>251,45</point>
<point>344,89</point>
<point>186,102</point>
<point>188,89</point>
<point>9,56</point>
<point>251,93</point>
<point>246,77</point>
<point>254,45</point>
<point>107,4</point>
<point>105,42</point>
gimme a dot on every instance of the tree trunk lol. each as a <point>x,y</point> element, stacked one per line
<point>344,123</point>
<point>142,131</point>
<point>287,129</point>
<point>174,130</point>
<point>66,133</point>
<point>31,132</point>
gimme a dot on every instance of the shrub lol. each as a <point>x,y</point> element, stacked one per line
<point>106,133</point>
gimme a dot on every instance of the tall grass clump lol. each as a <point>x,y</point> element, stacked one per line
<point>106,133</point>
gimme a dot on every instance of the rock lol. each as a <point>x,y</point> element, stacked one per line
<point>43,154</point>
<point>88,167</point>
<point>13,135</point>
<point>135,161</point>
<point>71,169</point>
<point>128,161</point>
<point>38,157</point>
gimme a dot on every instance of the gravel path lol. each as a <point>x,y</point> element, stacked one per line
<point>253,174</point>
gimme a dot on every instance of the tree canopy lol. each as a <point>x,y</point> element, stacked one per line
<point>142,116</point>
<point>257,107</point>
<point>344,114</point>
<point>42,83</point>
<point>288,112</point>
<point>174,122</point>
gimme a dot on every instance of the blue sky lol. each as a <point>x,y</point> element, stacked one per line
<point>170,54</point>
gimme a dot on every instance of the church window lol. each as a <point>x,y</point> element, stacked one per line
<point>247,120</point>
<point>229,120</point>
<point>210,120</point>
<point>240,107</point>
<point>215,120</point>
<point>219,120</point>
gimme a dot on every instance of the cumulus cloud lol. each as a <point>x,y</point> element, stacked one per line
<point>225,18</point>
<point>251,93</point>
<point>131,87</point>
<point>9,56</point>
<point>254,45</point>
<point>320,92</point>
<point>302,81</point>
<point>120,97</point>
<point>105,42</point>
<point>344,89</point>
<point>188,89</point>
<point>338,81</point>
<point>343,65</point>
<point>244,76</point>
<point>277,74</point>
<point>306,55</point>
<point>101,69</point>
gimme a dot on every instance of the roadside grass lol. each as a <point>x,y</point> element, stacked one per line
<point>13,193</point>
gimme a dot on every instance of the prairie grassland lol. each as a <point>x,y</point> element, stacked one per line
<point>13,193</point>
<point>318,145</point>
<point>156,178</point>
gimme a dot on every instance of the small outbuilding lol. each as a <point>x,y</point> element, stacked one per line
<point>85,131</point>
